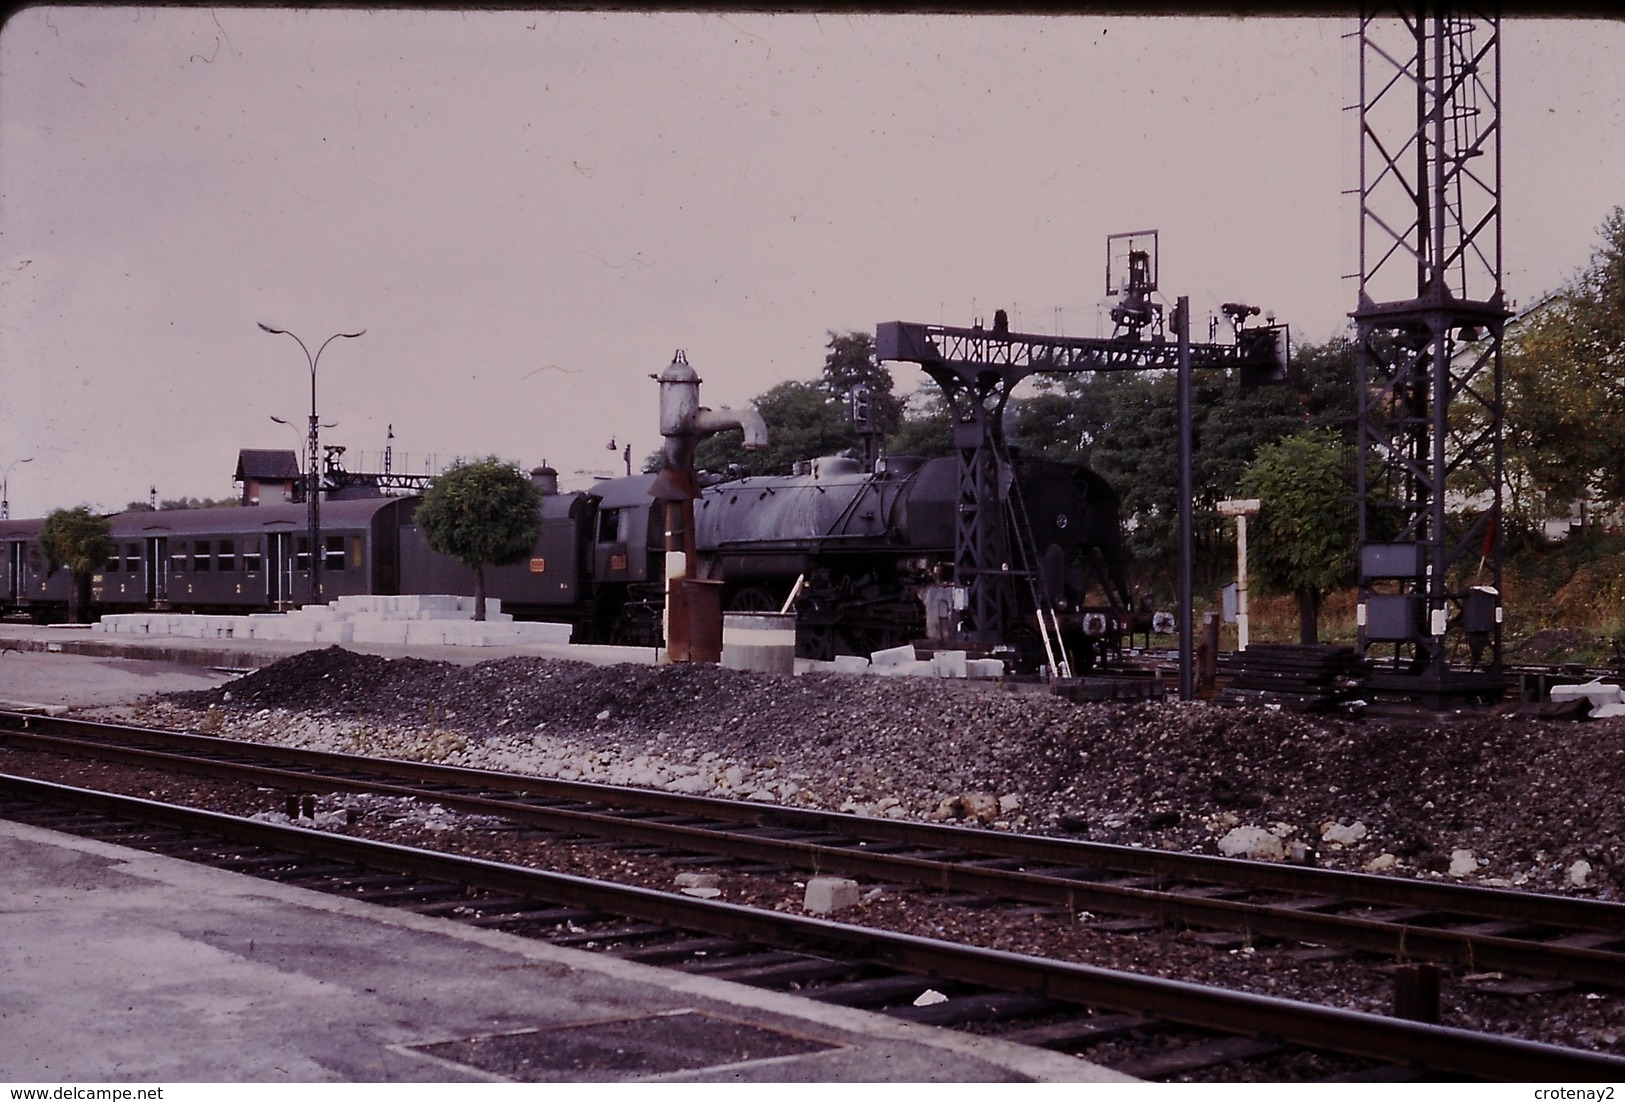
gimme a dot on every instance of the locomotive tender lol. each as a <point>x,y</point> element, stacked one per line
<point>872,553</point>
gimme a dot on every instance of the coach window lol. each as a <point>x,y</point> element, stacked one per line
<point>251,556</point>
<point>132,558</point>
<point>226,552</point>
<point>200,556</point>
<point>333,553</point>
<point>356,559</point>
<point>112,561</point>
<point>177,557</point>
<point>301,553</point>
<point>609,526</point>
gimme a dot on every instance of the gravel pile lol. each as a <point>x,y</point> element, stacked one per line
<point>1499,799</point>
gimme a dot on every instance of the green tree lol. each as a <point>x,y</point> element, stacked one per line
<point>484,512</point>
<point>926,428</point>
<point>80,541</point>
<point>1564,388</point>
<point>1307,529</point>
<point>851,363</point>
<point>803,422</point>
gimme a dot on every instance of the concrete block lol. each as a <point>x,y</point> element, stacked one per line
<point>895,656</point>
<point>337,632</point>
<point>426,632</point>
<point>984,667</point>
<point>828,894</point>
<point>1607,711</point>
<point>851,663</point>
<point>393,634</point>
<point>950,663</point>
<point>1594,691</point>
<point>538,632</point>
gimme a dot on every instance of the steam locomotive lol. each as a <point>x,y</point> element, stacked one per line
<point>866,552</point>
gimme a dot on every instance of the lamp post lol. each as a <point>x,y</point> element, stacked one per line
<point>5,489</point>
<point>313,507</point>
<point>297,433</point>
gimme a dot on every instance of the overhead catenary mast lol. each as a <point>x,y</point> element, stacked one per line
<point>1430,319</point>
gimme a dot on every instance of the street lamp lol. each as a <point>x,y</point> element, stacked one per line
<point>5,489</point>
<point>284,421</point>
<point>313,508</point>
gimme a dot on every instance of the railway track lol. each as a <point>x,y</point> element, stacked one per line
<point>1554,938</point>
<point>1144,1026</point>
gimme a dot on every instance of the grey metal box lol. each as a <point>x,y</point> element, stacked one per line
<point>1393,617</point>
<point>1392,560</point>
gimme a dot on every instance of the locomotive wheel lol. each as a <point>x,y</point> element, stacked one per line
<point>816,641</point>
<point>753,598</point>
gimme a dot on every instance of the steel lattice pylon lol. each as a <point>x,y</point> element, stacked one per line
<point>1430,325</point>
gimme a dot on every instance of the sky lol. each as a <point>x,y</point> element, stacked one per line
<point>529,212</point>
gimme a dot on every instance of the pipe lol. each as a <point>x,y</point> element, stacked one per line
<point>708,421</point>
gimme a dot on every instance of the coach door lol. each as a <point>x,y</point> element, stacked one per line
<point>279,568</point>
<point>16,556</point>
<point>157,569</point>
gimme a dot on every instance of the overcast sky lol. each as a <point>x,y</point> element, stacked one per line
<point>529,212</point>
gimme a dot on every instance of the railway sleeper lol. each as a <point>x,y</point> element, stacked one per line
<point>789,974</point>
<point>743,961</point>
<point>877,990</point>
<point>679,950</point>
<point>541,916</point>
<point>987,1006</point>
<point>1073,1035</point>
<point>1197,1057</point>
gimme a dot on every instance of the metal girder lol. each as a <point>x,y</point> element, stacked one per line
<point>1430,321</point>
<point>977,368</point>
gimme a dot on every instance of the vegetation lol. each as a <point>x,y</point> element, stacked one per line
<point>1565,391</point>
<point>80,541</point>
<point>809,419</point>
<point>184,503</point>
<point>1307,528</point>
<point>482,513</point>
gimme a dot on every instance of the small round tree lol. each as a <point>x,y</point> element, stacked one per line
<point>481,513</point>
<point>81,541</point>
<point>1307,528</point>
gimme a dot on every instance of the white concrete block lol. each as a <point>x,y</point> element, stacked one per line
<point>392,634</point>
<point>539,632</point>
<point>950,663</point>
<point>1594,691</point>
<point>1607,711</point>
<point>917,668</point>
<point>850,663</point>
<point>426,632</point>
<point>338,632</point>
<point>895,656</point>
<point>828,894</point>
<point>984,667</point>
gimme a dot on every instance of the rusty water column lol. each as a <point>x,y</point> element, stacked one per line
<point>683,424</point>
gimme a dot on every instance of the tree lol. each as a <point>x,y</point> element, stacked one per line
<point>1564,379</point>
<point>803,422</point>
<point>851,363</point>
<point>926,428</point>
<point>1307,529</point>
<point>81,541</point>
<point>484,512</point>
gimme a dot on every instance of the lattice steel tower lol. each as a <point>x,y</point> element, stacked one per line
<point>1430,323</point>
